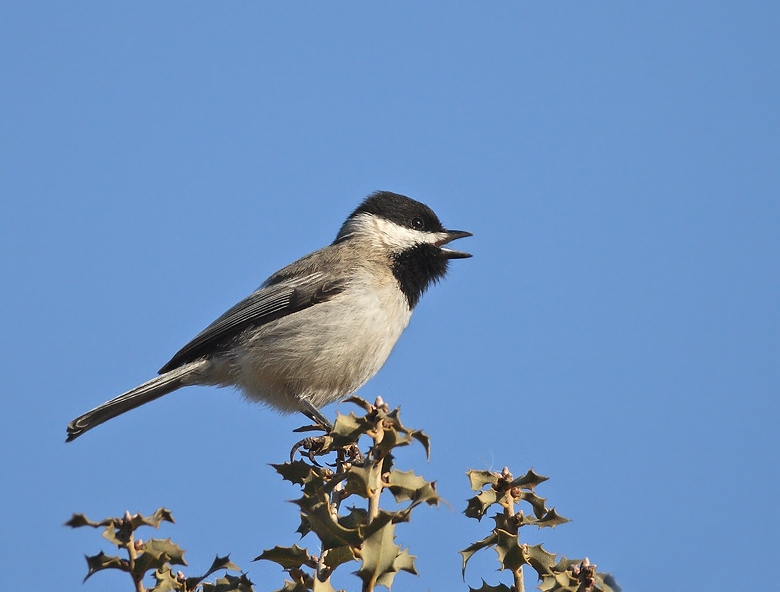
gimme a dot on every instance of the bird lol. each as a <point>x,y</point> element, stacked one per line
<point>318,329</point>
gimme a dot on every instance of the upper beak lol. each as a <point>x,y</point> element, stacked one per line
<point>452,235</point>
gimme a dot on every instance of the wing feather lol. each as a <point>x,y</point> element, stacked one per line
<point>270,302</point>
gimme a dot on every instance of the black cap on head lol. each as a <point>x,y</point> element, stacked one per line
<point>400,210</point>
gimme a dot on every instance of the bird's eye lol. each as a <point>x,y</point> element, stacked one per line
<point>418,223</point>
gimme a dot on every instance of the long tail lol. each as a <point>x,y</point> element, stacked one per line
<point>148,391</point>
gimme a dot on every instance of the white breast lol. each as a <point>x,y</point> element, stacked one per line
<point>325,352</point>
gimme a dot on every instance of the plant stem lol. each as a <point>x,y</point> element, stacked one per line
<point>132,556</point>
<point>509,512</point>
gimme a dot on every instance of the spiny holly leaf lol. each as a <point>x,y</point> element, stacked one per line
<point>488,541</point>
<point>391,438</point>
<point>116,536</point>
<point>119,530</point>
<point>423,439</point>
<point>229,583</point>
<point>537,503</point>
<point>101,561</point>
<point>378,553</point>
<point>319,586</point>
<point>304,528</point>
<point>529,480</point>
<point>514,523</point>
<point>165,547</point>
<point>610,584</point>
<point>287,557</point>
<point>551,519</point>
<point>400,435</point>
<point>325,525</point>
<point>216,565</point>
<point>559,582</point>
<point>356,518</point>
<point>479,504</point>
<point>564,564</point>
<point>161,515</point>
<point>348,429</point>
<point>403,562</point>
<point>486,588</point>
<point>362,480</point>
<point>511,554</point>
<point>568,575</point>
<point>79,520</point>
<point>294,587</point>
<point>541,560</point>
<point>360,402</point>
<point>338,555</point>
<point>297,471</point>
<point>167,581</point>
<point>406,486</point>
<point>501,521</point>
<point>155,554</point>
<point>380,520</point>
<point>478,480</point>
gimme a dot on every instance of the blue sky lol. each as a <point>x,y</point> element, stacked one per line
<point>617,328</point>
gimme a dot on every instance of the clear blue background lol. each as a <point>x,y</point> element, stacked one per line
<point>617,328</point>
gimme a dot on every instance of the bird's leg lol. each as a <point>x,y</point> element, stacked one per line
<point>315,415</point>
<point>318,443</point>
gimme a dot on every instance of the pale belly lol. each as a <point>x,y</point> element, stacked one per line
<point>319,353</point>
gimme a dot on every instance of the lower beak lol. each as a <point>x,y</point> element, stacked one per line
<point>452,235</point>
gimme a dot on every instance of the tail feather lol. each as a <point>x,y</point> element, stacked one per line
<point>143,393</point>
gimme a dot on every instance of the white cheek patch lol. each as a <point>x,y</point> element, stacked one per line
<point>400,238</point>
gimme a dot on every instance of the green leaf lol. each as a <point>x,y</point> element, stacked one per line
<point>155,554</point>
<point>529,480</point>
<point>479,504</point>
<point>357,517</point>
<point>360,402</point>
<point>79,520</point>
<point>378,553</point>
<point>406,486</point>
<point>297,471</point>
<point>537,503</point>
<point>336,556</point>
<point>362,480</point>
<point>551,519</point>
<point>161,515</point>
<point>610,584</point>
<point>380,520</point>
<point>403,562</point>
<point>319,586</point>
<point>478,479</point>
<point>423,439</point>
<point>559,582</point>
<point>101,561</point>
<point>287,557</point>
<point>511,554</point>
<point>304,528</point>
<point>167,581</point>
<point>229,583</point>
<point>289,587</point>
<point>541,560</point>
<point>486,588</point>
<point>348,429</point>
<point>391,438</point>
<point>467,553</point>
<point>216,565</point>
<point>325,525</point>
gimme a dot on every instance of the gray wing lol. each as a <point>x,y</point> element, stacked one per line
<point>271,301</point>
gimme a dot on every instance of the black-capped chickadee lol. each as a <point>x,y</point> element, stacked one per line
<point>318,329</point>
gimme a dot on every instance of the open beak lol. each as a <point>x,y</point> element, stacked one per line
<point>451,235</point>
